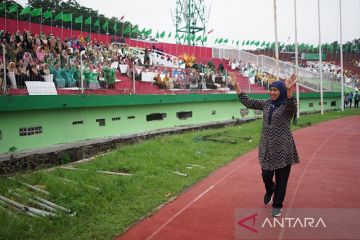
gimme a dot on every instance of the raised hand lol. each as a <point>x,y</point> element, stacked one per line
<point>291,81</point>
<point>235,84</point>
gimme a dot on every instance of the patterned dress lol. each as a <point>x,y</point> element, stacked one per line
<point>277,147</point>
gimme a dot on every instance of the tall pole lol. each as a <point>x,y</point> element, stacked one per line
<point>40,22</point>
<point>4,61</point>
<point>5,17</point>
<point>17,19</point>
<point>296,64</point>
<point>276,42</point>
<point>320,63</point>
<point>341,61</point>
<point>81,72</point>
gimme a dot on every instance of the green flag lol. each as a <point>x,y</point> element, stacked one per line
<point>127,29</point>
<point>36,12</point>
<point>135,29</point>
<point>237,43</point>
<point>169,35</point>
<point>79,19</point>
<point>216,40</point>
<point>67,17</point>
<point>162,35</point>
<point>26,10</point>
<point>97,23</point>
<point>2,6</point>
<point>115,27</point>
<point>59,16</point>
<point>182,36</point>
<point>176,36</point>
<point>148,32</point>
<point>220,40</point>
<point>205,39</point>
<point>106,25</point>
<point>88,21</point>
<point>47,14</point>
<point>13,8</point>
<point>226,40</point>
<point>157,34</point>
<point>198,38</point>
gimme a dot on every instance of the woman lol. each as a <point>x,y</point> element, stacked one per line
<point>277,150</point>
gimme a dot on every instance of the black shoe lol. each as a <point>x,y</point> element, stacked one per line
<point>276,212</point>
<point>268,198</point>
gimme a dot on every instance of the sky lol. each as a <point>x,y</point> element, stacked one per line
<point>244,19</point>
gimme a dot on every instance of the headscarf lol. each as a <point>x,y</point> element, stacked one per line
<point>280,100</point>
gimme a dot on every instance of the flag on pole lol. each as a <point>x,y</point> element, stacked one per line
<point>88,21</point>
<point>106,25</point>
<point>169,35</point>
<point>47,14</point>
<point>205,39</point>
<point>162,35</point>
<point>67,17</point>
<point>97,23</point>
<point>26,10</point>
<point>2,6</point>
<point>127,29</point>
<point>79,19</point>
<point>148,32</point>
<point>122,18</point>
<point>36,12</point>
<point>135,29</point>
<point>13,8</point>
<point>198,38</point>
<point>115,27</point>
<point>59,16</point>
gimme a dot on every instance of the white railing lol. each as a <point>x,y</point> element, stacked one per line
<point>307,79</point>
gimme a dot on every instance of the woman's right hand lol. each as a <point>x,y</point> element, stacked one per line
<point>235,84</point>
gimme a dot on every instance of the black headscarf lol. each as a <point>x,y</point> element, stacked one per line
<point>280,100</point>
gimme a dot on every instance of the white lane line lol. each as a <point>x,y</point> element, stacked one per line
<point>197,198</point>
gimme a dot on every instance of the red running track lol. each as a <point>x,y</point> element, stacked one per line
<point>327,177</point>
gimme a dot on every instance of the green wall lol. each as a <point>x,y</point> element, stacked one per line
<point>56,114</point>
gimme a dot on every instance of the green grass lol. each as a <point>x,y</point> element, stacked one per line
<point>124,200</point>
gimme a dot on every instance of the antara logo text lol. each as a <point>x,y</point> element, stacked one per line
<point>285,222</point>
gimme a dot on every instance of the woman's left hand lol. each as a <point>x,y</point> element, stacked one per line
<point>291,81</point>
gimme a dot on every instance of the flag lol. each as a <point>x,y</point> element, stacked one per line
<point>97,23</point>
<point>198,38</point>
<point>122,18</point>
<point>169,35</point>
<point>162,35</point>
<point>13,8</point>
<point>211,31</point>
<point>135,29</point>
<point>2,6</point>
<point>36,12</point>
<point>106,25</point>
<point>148,32</point>
<point>237,43</point>
<point>88,21</point>
<point>79,19</point>
<point>226,40</point>
<point>205,39</point>
<point>59,16</point>
<point>26,10</point>
<point>127,29</point>
<point>67,17</point>
<point>157,34</point>
<point>176,35</point>
<point>115,27</point>
<point>47,14</point>
<point>216,40</point>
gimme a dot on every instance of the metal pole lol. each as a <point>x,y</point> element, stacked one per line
<point>341,61</point>
<point>4,77</point>
<point>296,64</point>
<point>81,72</point>
<point>276,42</point>
<point>320,63</point>
<point>134,77</point>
